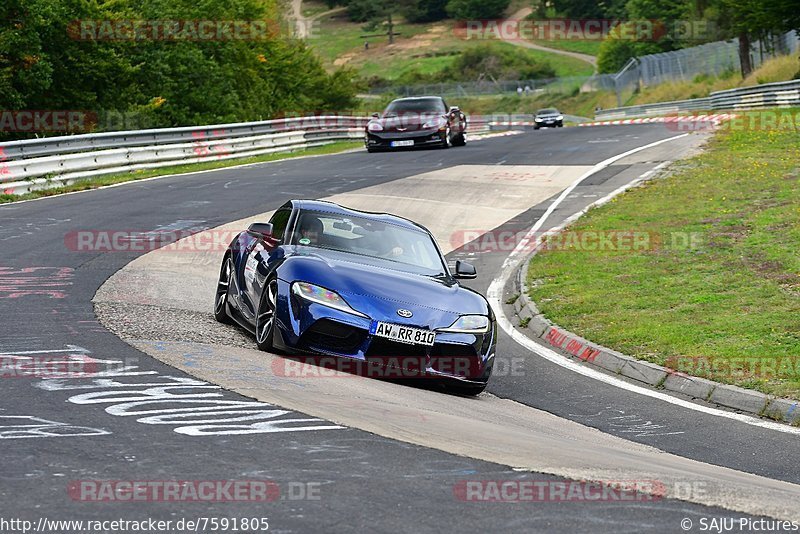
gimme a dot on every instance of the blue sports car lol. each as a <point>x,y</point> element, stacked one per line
<point>367,288</point>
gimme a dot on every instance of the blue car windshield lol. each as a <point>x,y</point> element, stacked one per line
<point>414,249</point>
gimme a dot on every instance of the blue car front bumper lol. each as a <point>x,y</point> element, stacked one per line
<point>312,328</point>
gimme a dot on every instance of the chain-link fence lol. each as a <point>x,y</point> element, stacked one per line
<point>713,59</point>
<point>495,87</point>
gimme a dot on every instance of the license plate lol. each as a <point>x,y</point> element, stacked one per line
<point>405,334</point>
<point>403,143</point>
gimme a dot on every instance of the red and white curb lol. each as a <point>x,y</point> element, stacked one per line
<point>713,119</point>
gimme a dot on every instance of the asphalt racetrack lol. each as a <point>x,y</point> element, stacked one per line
<point>342,453</point>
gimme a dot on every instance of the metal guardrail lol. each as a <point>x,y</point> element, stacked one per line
<point>36,164</point>
<point>655,109</point>
<point>80,143</point>
<point>779,94</point>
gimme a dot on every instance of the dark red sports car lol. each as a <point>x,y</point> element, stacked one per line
<point>415,122</point>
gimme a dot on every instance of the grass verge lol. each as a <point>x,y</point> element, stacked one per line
<point>716,291</point>
<point>421,48</point>
<point>590,47</point>
<point>584,104</point>
<point>94,183</point>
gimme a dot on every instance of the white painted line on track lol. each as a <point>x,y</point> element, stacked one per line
<point>513,260</point>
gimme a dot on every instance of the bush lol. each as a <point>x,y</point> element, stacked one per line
<point>486,61</point>
<point>477,9</point>
<point>499,62</point>
<point>615,52</point>
<point>426,10</point>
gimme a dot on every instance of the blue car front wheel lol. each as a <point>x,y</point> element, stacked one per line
<point>223,288</point>
<point>265,318</point>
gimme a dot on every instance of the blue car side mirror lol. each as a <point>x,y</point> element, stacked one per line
<point>465,271</point>
<point>260,230</point>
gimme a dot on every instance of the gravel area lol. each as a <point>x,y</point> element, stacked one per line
<point>137,321</point>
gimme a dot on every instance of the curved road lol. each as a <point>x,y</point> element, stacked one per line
<point>520,15</point>
<point>59,431</point>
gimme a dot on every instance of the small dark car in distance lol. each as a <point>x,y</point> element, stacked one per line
<point>366,289</point>
<point>416,122</point>
<point>548,117</point>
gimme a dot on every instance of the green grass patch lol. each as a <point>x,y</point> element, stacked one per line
<point>582,47</point>
<point>337,38</point>
<point>94,183</point>
<point>311,9</point>
<point>423,48</point>
<point>718,292</point>
<point>564,66</point>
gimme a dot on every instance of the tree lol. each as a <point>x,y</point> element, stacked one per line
<point>377,13</point>
<point>44,66</point>
<point>477,9</point>
<point>425,10</point>
<point>755,19</point>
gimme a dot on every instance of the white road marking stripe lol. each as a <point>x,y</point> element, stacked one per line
<point>495,291</point>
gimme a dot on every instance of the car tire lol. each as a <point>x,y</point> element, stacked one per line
<point>448,140</point>
<point>265,316</point>
<point>223,288</point>
<point>536,127</point>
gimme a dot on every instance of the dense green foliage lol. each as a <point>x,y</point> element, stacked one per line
<point>489,61</point>
<point>157,82</point>
<point>683,23</point>
<point>477,9</point>
<point>498,62</point>
<point>425,10</point>
<point>422,10</point>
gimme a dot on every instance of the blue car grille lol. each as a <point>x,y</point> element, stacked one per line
<point>327,335</point>
<point>380,348</point>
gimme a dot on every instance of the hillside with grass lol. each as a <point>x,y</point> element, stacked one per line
<point>583,104</point>
<point>427,53</point>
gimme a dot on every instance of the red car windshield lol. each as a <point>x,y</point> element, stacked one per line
<point>416,105</point>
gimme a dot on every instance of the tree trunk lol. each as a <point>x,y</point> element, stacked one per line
<point>391,29</point>
<point>744,54</point>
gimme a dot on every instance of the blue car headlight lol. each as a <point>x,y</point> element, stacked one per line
<point>323,296</point>
<point>468,324</point>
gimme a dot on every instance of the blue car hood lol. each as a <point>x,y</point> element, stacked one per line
<point>378,288</point>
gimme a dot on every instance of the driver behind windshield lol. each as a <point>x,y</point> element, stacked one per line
<point>383,243</point>
<point>310,231</point>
